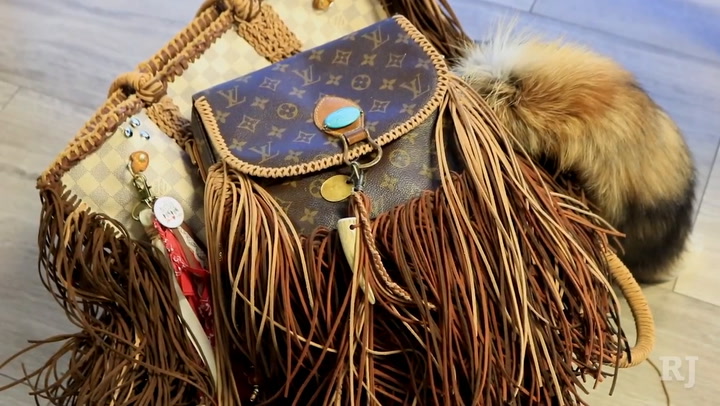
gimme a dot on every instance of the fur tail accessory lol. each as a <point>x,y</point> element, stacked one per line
<point>584,116</point>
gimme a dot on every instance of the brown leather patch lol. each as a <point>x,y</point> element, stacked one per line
<point>356,135</point>
<point>329,104</point>
<point>354,132</point>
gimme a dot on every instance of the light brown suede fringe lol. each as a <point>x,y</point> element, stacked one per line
<point>493,287</point>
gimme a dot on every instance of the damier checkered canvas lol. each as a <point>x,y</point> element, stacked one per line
<point>103,181</point>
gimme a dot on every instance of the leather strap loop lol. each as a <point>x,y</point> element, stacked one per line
<point>243,10</point>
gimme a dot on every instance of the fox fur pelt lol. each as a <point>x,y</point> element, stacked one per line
<point>582,113</point>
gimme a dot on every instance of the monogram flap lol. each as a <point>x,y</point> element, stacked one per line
<point>323,107</point>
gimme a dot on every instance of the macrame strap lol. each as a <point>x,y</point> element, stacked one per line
<point>269,35</point>
<point>149,88</point>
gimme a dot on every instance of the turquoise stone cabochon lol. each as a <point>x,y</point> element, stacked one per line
<point>342,117</point>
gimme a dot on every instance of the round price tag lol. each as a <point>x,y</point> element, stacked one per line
<point>169,212</point>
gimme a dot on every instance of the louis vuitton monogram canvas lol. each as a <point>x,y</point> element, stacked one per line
<point>263,123</point>
<point>103,182</point>
<point>265,118</point>
<point>231,56</point>
<point>409,168</point>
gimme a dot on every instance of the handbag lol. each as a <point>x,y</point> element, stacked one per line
<point>376,237</point>
<point>133,289</point>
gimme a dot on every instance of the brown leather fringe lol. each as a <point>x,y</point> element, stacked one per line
<point>436,20</point>
<point>132,348</point>
<point>506,289</point>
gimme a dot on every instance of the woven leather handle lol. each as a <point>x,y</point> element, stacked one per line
<point>640,309</point>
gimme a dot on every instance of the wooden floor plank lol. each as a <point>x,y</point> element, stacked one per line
<point>524,5</point>
<point>18,395</point>
<point>685,330</point>
<point>6,92</point>
<point>74,49</point>
<point>700,278</point>
<point>688,27</point>
<point>35,129</point>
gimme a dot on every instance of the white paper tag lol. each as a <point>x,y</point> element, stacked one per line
<point>169,212</point>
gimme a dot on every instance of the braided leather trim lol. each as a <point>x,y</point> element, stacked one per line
<point>207,116</point>
<point>133,91</point>
<point>269,35</point>
<point>253,19</point>
<point>150,81</point>
<point>116,109</point>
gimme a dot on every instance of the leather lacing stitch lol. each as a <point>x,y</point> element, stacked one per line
<point>116,109</point>
<point>194,49</point>
<point>208,118</point>
<point>203,20</point>
<point>151,84</point>
<point>131,91</point>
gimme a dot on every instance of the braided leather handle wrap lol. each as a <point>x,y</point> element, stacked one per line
<point>640,309</point>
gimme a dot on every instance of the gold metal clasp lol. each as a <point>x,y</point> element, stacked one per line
<point>375,147</point>
<point>143,189</point>
<point>322,4</point>
<point>357,177</point>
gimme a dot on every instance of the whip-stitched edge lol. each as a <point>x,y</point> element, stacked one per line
<point>202,21</point>
<point>207,116</point>
<point>151,79</point>
<point>121,102</point>
<point>640,309</point>
<point>116,109</point>
<point>197,47</point>
<point>282,44</point>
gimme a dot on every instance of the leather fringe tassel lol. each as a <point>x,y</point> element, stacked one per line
<point>492,289</point>
<point>436,20</point>
<point>132,348</point>
<point>259,275</point>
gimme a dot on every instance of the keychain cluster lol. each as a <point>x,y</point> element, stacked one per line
<point>163,219</point>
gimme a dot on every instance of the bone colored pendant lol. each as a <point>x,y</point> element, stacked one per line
<point>336,188</point>
<point>139,161</point>
<point>349,241</point>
